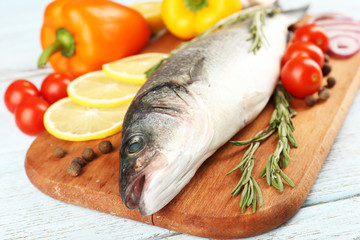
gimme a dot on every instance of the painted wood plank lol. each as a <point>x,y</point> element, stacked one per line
<point>334,220</point>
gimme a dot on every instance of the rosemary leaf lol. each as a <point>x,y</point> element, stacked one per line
<point>286,178</point>
<point>243,195</point>
<point>251,195</point>
<point>258,192</point>
<point>254,204</point>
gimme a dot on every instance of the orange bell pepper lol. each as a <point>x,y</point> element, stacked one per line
<point>80,35</point>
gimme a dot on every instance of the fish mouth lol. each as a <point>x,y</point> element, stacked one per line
<point>133,197</point>
<point>133,188</point>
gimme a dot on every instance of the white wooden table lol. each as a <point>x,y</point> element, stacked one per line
<point>331,210</point>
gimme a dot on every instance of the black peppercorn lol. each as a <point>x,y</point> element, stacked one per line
<point>310,100</point>
<point>331,82</point>
<point>88,154</point>
<point>80,161</point>
<point>59,152</point>
<point>105,146</point>
<point>74,169</point>
<point>326,69</point>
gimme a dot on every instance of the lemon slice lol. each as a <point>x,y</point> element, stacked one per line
<point>68,120</point>
<point>151,11</point>
<point>132,69</point>
<point>96,89</point>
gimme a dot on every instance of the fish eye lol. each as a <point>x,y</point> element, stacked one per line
<point>135,144</point>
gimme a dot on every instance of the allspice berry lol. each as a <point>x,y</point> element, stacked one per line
<point>310,100</point>
<point>324,93</point>
<point>326,69</point>
<point>88,154</point>
<point>74,169</point>
<point>105,146</point>
<point>59,152</point>
<point>80,161</point>
<point>331,81</point>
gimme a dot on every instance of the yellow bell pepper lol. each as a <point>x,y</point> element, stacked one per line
<point>188,18</point>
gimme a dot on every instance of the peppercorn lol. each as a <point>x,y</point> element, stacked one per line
<point>88,154</point>
<point>331,82</point>
<point>324,93</point>
<point>74,169</point>
<point>310,100</point>
<point>59,152</point>
<point>326,69</point>
<point>80,161</point>
<point>105,146</point>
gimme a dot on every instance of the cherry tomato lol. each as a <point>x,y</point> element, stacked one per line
<point>54,86</point>
<point>17,92</point>
<point>312,33</point>
<point>301,76</point>
<point>29,115</point>
<point>304,49</point>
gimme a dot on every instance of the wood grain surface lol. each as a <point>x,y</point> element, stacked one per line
<point>205,207</point>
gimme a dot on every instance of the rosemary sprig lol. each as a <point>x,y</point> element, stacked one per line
<point>280,119</point>
<point>247,184</point>
<point>256,31</point>
<point>281,123</point>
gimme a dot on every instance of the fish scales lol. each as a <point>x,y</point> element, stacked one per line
<point>192,105</point>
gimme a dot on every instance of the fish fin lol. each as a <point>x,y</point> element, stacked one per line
<point>198,71</point>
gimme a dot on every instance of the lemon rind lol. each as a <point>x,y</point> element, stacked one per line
<point>88,102</point>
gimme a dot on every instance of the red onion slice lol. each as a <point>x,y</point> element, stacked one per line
<point>344,45</point>
<point>344,28</point>
<point>334,22</point>
<point>340,32</point>
<point>324,16</point>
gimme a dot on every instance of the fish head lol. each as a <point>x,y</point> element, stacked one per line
<point>158,154</point>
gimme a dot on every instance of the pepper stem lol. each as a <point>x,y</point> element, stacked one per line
<point>196,5</point>
<point>64,43</point>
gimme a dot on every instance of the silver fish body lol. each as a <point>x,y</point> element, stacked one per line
<point>192,105</point>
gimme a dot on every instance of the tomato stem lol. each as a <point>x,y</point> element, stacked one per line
<point>64,43</point>
<point>196,5</point>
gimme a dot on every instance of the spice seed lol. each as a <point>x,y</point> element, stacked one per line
<point>59,152</point>
<point>80,161</point>
<point>88,154</point>
<point>324,93</point>
<point>105,146</point>
<point>74,169</point>
<point>310,100</point>
<point>326,69</point>
<point>331,82</point>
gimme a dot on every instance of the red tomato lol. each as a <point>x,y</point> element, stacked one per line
<point>29,115</point>
<point>301,77</point>
<point>312,33</point>
<point>17,92</point>
<point>54,87</point>
<point>304,49</point>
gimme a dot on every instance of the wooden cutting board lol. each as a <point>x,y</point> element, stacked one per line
<point>205,207</point>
